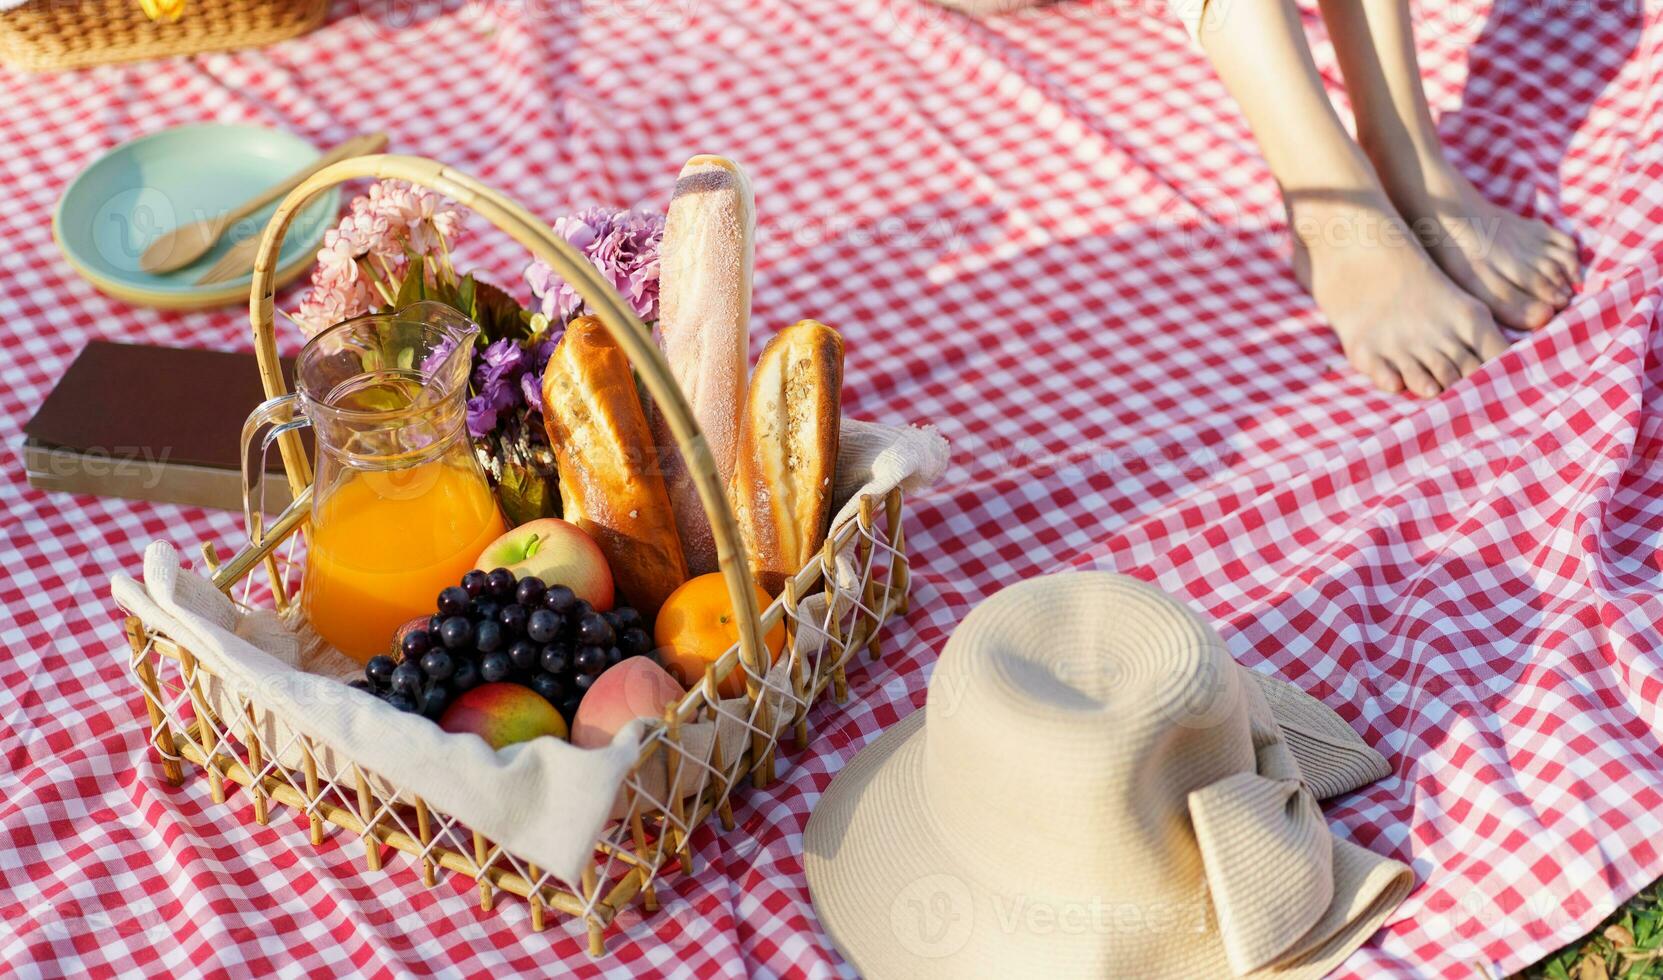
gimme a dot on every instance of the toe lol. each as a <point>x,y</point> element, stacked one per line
<point>1442,369</point>
<point>1493,289</point>
<point>1537,314</point>
<point>1528,270</point>
<point>1478,331</point>
<point>1567,262</point>
<point>1560,240</point>
<point>1416,378</point>
<point>1517,308</point>
<point>1379,372</point>
<point>1546,282</point>
<point>1466,361</point>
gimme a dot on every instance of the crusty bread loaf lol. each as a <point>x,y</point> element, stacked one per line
<point>609,482</point>
<point>782,487</point>
<point>704,313</point>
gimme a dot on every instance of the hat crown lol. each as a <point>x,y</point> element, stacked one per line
<point>1093,701</point>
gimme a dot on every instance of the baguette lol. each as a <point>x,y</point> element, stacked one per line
<point>704,315</point>
<point>609,483</point>
<point>782,488</point>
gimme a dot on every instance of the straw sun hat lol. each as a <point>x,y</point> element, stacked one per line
<point>1094,788</point>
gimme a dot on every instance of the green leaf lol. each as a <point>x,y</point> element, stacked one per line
<point>413,289</point>
<point>1642,916</point>
<point>465,300</point>
<point>526,495</point>
<point>497,314</point>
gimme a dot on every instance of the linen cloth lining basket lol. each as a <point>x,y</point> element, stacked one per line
<point>689,760</point>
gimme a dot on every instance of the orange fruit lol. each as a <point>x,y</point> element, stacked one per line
<point>697,624</point>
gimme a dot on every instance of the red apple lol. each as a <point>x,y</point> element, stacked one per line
<point>559,553</point>
<point>503,714</point>
<point>629,689</point>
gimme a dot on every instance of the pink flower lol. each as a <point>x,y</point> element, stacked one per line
<point>370,233</point>
<point>381,228</point>
<point>418,212</point>
<point>338,258</point>
<point>339,290</point>
<point>330,301</point>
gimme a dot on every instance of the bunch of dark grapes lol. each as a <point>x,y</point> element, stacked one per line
<point>493,628</point>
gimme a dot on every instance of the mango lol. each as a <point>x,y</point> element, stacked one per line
<point>503,714</point>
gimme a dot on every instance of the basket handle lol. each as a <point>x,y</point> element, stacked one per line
<point>625,328</point>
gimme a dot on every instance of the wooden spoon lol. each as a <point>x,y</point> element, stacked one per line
<point>187,243</point>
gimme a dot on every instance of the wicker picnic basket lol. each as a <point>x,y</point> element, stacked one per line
<point>192,720</point>
<point>46,35</point>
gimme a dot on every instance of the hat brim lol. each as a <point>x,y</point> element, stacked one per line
<point>1332,758</point>
<point>898,902</point>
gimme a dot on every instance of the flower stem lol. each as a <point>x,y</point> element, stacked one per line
<point>376,278</point>
<point>444,250</point>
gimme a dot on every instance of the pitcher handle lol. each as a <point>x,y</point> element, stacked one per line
<point>277,416</point>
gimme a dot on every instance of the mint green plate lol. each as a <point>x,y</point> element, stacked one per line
<point>144,188</point>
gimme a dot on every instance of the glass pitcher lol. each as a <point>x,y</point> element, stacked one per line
<point>400,506</point>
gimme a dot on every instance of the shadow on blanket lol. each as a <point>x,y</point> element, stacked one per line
<point>1511,124</point>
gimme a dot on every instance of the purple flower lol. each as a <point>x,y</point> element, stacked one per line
<point>501,364</point>
<point>531,382</point>
<point>496,384</point>
<point>623,245</point>
<point>506,377</point>
<point>482,417</point>
<point>436,358</point>
<point>484,407</point>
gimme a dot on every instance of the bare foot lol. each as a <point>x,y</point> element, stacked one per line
<point>1524,270</point>
<point>1400,320</point>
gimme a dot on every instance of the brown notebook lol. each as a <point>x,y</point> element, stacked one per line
<point>151,423</point>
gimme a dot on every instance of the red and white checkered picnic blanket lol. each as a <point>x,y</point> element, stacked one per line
<point>1050,235</point>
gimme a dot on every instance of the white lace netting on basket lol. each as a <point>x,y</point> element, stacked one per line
<point>545,800</point>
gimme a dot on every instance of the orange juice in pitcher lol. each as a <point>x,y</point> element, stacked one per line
<point>400,506</point>
<point>381,551</point>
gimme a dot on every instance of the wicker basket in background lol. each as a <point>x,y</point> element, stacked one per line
<point>44,35</point>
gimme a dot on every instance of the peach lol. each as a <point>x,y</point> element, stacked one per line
<point>629,689</point>
<point>503,714</point>
<point>559,553</point>
<point>396,647</point>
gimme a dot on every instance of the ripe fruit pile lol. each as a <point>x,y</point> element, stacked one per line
<point>495,628</point>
